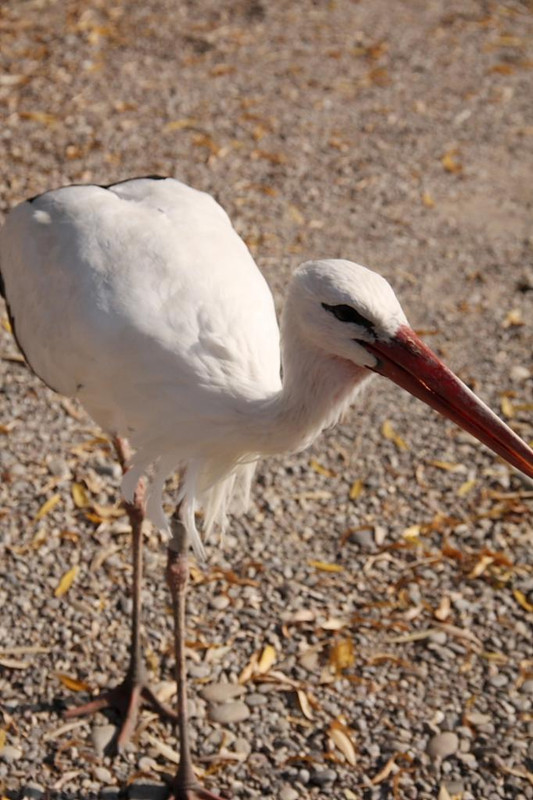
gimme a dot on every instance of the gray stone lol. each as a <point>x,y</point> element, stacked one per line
<point>227,713</point>
<point>443,745</point>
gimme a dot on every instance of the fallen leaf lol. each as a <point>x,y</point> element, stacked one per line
<point>180,124</point>
<point>66,581</point>
<point>325,566</point>
<point>446,465</point>
<point>356,489</point>
<point>43,117</point>
<point>389,433</point>
<point>466,487</point>
<point>73,684</point>
<point>513,319</point>
<point>342,654</point>
<point>47,506</point>
<point>450,163</point>
<point>484,562</point>
<point>340,737</point>
<point>507,407</point>
<point>3,737</point>
<point>427,200</point>
<point>317,467</point>
<point>305,706</point>
<point>267,659</point>
<point>522,600</point>
<point>79,495</point>
<point>384,773</point>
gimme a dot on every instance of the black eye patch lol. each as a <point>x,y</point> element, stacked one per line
<point>345,313</point>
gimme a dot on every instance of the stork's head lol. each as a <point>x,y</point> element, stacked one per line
<point>350,312</point>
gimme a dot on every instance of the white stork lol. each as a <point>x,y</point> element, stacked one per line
<point>141,300</point>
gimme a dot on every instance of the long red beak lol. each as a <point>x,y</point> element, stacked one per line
<point>411,364</point>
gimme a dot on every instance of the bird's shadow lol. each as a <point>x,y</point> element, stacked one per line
<point>136,791</point>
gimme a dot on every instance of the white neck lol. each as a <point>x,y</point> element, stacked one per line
<point>317,388</point>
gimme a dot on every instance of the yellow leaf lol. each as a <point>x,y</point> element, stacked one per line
<point>39,116</point>
<point>356,489</point>
<point>342,655</point>
<point>342,741</point>
<point>466,487</point>
<point>445,465</point>
<point>72,683</point>
<point>3,737</point>
<point>7,325</point>
<point>522,600</point>
<point>389,433</point>
<point>304,704</point>
<point>296,215</point>
<point>412,532</point>
<point>47,506</point>
<point>513,319</point>
<point>450,164</point>
<point>314,464</point>
<point>507,407</point>
<point>180,124</point>
<point>427,200</point>
<point>481,566</point>
<point>267,659</point>
<point>66,581</point>
<point>326,566</point>
<point>79,495</point>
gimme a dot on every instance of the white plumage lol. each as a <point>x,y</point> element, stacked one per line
<point>143,302</point>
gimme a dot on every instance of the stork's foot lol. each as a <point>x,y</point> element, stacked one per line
<point>127,698</point>
<point>190,792</point>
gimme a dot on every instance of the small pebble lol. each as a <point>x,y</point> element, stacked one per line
<point>103,775</point>
<point>229,712</point>
<point>443,745</point>
<point>9,753</point>
<point>102,736</point>
<point>221,692</point>
<point>288,793</point>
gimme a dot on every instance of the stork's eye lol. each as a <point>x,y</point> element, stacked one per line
<point>346,313</point>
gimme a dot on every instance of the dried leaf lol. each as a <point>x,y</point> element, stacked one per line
<point>66,581</point>
<point>79,495</point>
<point>446,465</point>
<point>412,533</point>
<point>304,704</point>
<point>383,774</point>
<point>507,407</point>
<point>180,124</point>
<point>3,737</point>
<point>427,200</point>
<point>513,319</point>
<point>317,467</point>
<point>484,562</point>
<point>47,506</point>
<point>356,489</point>
<point>339,736</point>
<point>296,215</point>
<point>466,487</point>
<point>522,600</point>
<point>325,566</point>
<point>342,654</point>
<point>73,684</point>
<point>389,433</point>
<point>450,163</point>
<point>267,659</point>
<point>43,117</point>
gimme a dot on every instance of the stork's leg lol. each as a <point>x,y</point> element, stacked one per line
<point>128,696</point>
<point>185,785</point>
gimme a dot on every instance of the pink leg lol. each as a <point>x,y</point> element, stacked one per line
<point>185,785</point>
<point>129,695</point>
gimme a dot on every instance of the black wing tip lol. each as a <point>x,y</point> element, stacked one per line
<point>136,178</point>
<point>104,185</point>
<point>2,287</point>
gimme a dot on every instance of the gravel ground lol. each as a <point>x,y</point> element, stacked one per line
<point>369,619</point>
